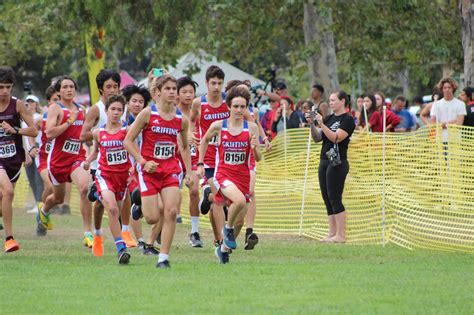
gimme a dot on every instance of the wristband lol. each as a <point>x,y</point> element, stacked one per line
<point>199,164</point>
<point>17,130</point>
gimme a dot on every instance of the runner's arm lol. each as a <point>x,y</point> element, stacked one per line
<point>211,132</point>
<point>30,131</point>
<point>255,145</point>
<point>92,117</point>
<point>132,134</point>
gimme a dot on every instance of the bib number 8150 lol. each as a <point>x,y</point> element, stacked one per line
<point>234,158</point>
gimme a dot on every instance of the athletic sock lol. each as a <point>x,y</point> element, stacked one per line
<point>227,226</point>
<point>8,238</point>
<point>162,257</point>
<point>124,228</point>
<point>249,231</point>
<point>120,244</point>
<point>194,225</point>
<point>141,239</point>
<point>98,232</point>
<point>224,249</point>
<point>87,233</point>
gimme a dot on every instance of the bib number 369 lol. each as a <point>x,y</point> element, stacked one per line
<point>164,151</point>
<point>7,150</point>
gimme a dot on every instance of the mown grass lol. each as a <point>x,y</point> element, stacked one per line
<point>283,275</point>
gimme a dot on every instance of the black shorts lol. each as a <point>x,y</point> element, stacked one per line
<point>209,173</point>
<point>13,171</point>
<point>93,174</point>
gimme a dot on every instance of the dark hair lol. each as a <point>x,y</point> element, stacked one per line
<point>233,83</point>
<point>437,92</point>
<point>418,99</point>
<point>184,81</point>
<point>49,92</point>
<point>105,75</point>
<point>132,89</point>
<point>7,75</point>
<point>57,85</point>
<point>319,87</point>
<point>469,90</point>
<point>114,99</point>
<point>370,110</point>
<point>401,98</point>
<point>341,95</point>
<point>237,91</point>
<point>214,72</point>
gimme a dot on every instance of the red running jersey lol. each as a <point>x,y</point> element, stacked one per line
<point>160,139</point>
<point>209,115</point>
<point>67,148</point>
<point>45,145</point>
<point>233,154</point>
<point>113,158</point>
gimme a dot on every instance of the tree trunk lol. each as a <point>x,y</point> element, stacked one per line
<point>465,6</point>
<point>319,42</point>
<point>403,78</point>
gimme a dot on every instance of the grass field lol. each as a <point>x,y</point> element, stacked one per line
<point>283,275</point>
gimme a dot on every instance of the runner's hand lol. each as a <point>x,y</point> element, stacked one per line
<point>73,115</point>
<point>86,165</point>
<point>150,166</point>
<point>254,142</point>
<point>200,171</point>
<point>6,126</point>
<point>188,181</point>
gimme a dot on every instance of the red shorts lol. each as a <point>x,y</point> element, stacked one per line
<point>152,184</point>
<point>133,183</point>
<point>43,163</point>
<point>222,181</point>
<point>115,182</point>
<point>60,175</point>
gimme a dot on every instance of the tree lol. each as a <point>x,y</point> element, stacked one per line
<point>467,18</point>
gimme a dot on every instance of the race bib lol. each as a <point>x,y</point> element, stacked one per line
<point>116,157</point>
<point>193,150</point>
<point>234,158</point>
<point>214,140</point>
<point>7,150</point>
<point>72,146</point>
<point>47,147</point>
<point>164,150</point>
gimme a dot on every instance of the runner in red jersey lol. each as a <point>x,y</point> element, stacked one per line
<point>236,138</point>
<point>12,154</point>
<point>186,94</point>
<point>67,155</point>
<point>209,108</point>
<point>112,172</point>
<point>157,165</point>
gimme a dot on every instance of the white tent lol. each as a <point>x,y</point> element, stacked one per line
<point>202,61</point>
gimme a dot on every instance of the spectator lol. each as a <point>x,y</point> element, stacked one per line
<point>281,89</point>
<point>298,110</point>
<point>407,123</point>
<point>267,119</point>
<point>305,108</point>
<point>448,110</point>
<point>317,92</point>
<point>391,120</point>
<point>292,118</point>
<point>359,109</point>
<point>425,112</point>
<point>467,97</point>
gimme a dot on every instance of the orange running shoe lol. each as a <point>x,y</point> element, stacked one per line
<point>127,237</point>
<point>98,246</point>
<point>11,246</point>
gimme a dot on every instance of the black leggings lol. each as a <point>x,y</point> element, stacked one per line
<point>331,182</point>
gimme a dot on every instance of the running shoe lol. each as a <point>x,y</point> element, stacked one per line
<point>204,203</point>
<point>11,246</point>
<point>41,230</point>
<point>44,219</point>
<point>137,212</point>
<point>250,241</point>
<point>223,257</point>
<point>229,239</point>
<point>179,220</point>
<point>150,250</point>
<point>195,240</point>
<point>92,192</point>
<point>136,198</point>
<point>165,264</point>
<point>98,246</point>
<point>88,240</point>
<point>128,239</point>
<point>140,245</point>
<point>123,257</point>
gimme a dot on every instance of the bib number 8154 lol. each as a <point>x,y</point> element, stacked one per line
<point>164,151</point>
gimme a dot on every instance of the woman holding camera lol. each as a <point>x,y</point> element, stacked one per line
<point>335,132</point>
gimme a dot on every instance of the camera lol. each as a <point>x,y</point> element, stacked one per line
<point>333,157</point>
<point>157,72</point>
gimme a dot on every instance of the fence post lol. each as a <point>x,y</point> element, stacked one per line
<point>305,181</point>
<point>383,173</point>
